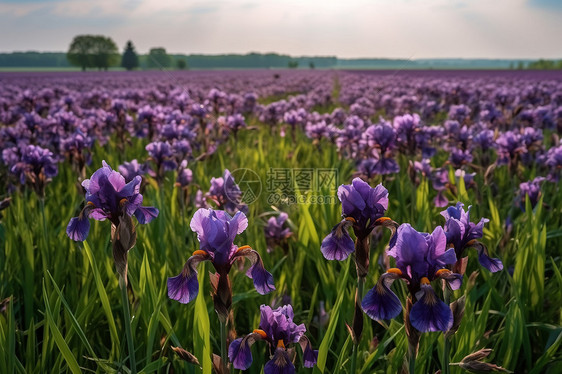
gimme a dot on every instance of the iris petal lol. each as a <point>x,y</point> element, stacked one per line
<point>240,353</point>
<point>429,313</point>
<point>492,264</point>
<point>381,303</point>
<point>263,280</point>
<point>145,214</point>
<point>185,287</point>
<point>78,228</point>
<point>279,364</point>
<point>310,356</point>
<point>337,245</point>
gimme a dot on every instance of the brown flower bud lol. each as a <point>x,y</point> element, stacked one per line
<point>124,237</point>
<point>186,356</point>
<point>457,307</point>
<point>362,256</point>
<point>218,366</point>
<point>473,363</point>
<point>222,295</point>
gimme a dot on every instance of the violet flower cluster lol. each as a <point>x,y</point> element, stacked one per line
<point>109,197</point>
<point>279,331</point>
<point>216,231</point>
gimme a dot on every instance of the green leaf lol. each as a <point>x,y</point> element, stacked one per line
<point>59,340</point>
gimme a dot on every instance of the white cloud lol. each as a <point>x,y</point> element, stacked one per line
<point>351,28</point>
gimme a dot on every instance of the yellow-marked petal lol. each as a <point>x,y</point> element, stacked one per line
<point>351,219</point>
<point>280,344</point>
<point>243,248</point>
<point>199,252</point>
<point>260,333</point>
<point>424,280</point>
<point>440,272</point>
<point>394,271</point>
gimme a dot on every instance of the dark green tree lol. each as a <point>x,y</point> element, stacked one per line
<point>130,60</point>
<point>181,64</point>
<point>93,51</point>
<point>79,53</point>
<point>293,64</point>
<point>158,58</point>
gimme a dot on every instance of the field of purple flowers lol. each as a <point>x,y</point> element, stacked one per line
<point>281,222</point>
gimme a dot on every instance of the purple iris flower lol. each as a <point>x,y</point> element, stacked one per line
<point>459,157</point>
<point>279,331</point>
<point>531,189</point>
<point>275,233</point>
<point>235,122</point>
<point>216,231</point>
<point>161,153</point>
<point>554,161</point>
<point>130,170</point>
<point>463,234</point>
<point>185,175</point>
<point>109,197</point>
<point>509,145</point>
<point>36,165</point>
<point>363,208</point>
<point>227,194</point>
<point>381,165</point>
<point>420,259</point>
<point>484,139</point>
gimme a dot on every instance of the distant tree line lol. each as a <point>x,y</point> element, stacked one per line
<point>100,52</point>
<point>258,61</point>
<point>34,59</point>
<point>545,65</point>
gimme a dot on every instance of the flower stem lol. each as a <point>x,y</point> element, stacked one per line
<point>353,359</point>
<point>446,341</point>
<point>127,317</point>
<point>446,349</point>
<point>224,352</point>
<point>412,359</point>
<point>357,323</point>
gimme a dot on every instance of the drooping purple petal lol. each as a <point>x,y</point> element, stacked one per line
<point>337,245</point>
<point>240,353</point>
<point>185,287</point>
<point>453,279</point>
<point>492,264</point>
<point>429,313</point>
<point>145,214</point>
<point>310,356</point>
<point>279,364</point>
<point>78,228</point>
<point>263,280</point>
<point>380,303</point>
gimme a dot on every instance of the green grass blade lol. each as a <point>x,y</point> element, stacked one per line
<point>59,340</point>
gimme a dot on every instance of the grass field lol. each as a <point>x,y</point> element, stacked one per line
<point>62,309</point>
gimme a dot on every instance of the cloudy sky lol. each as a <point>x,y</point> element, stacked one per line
<point>345,28</point>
